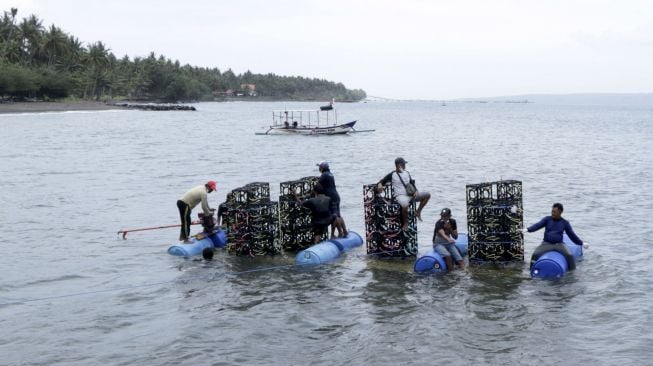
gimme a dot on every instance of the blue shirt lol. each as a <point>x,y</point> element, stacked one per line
<point>553,230</point>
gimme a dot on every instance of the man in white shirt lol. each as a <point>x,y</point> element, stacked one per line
<point>188,201</point>
<point>401,181</point>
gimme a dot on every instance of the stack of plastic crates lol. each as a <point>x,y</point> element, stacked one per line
<point>251,220</point>
<point>383,233</point>
<point>295,220</point>
<point>494,221</point>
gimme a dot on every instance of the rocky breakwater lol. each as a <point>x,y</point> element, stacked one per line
<point>155,107</point>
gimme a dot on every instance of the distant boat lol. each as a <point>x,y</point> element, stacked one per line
<point>328,107</point>
<point>323,121</point>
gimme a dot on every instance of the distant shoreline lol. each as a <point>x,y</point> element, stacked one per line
<point>44,107</point>
<point>70,106</point>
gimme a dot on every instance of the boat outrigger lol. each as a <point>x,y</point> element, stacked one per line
<point>323,121</point>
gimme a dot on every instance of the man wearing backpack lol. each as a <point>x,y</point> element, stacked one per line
<point>404,190</point>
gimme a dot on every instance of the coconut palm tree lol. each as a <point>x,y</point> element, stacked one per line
<point>55,45</point>
<point>73,61</point>
<point>7,29</point>
<point>31,33</point>
<point>97,61</point>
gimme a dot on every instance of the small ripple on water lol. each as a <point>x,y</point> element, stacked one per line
<point>62,278</point>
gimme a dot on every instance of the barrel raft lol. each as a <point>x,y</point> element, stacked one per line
<point>552,265</point>
<point>433,262</point>
<point>328,250</point>
<point>215,239</point>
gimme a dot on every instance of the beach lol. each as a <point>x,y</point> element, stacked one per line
<point>42,107</point>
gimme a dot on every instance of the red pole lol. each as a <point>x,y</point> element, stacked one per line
<point>124,232</point>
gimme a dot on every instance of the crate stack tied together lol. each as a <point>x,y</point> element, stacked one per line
<point>295,220</point>
<point>494,222</point>
<point>251,220</point>
<point>383,234</point>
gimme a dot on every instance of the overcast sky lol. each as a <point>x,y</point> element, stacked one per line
<point>405,49</point>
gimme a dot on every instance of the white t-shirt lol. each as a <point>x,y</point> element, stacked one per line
<point>397,186</point>
<point>196,195</point>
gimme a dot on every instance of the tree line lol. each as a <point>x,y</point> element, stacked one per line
<point>48,63</point>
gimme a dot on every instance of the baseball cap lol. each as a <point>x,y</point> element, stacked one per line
<point>445,212</point>
<point>211,185</point>
<point>323,164</point>
<point>400,161</point>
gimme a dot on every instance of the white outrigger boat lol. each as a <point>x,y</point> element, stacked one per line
<point>323,121</point>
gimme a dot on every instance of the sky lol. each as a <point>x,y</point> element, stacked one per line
<point>399,49</point>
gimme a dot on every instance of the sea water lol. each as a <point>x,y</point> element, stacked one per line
<point>72,292</point>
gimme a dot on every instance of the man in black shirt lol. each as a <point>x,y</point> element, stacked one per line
<point>444,240</point>
<point>328,182</point>
<point>321,216</point>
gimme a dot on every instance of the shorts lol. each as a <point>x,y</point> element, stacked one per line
<point>404,200</point>
<point>446,250</point>
<point>319,228</point>
<point>334,207</point>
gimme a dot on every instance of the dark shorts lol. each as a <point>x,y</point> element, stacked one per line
<point>319,228</point>
<point>334,207</point>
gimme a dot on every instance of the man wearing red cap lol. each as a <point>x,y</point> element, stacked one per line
<point>188,201</point>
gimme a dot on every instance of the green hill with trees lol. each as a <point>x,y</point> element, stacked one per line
<point>48,63</point>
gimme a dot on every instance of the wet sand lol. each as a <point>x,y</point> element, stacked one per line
<point>41,107</point>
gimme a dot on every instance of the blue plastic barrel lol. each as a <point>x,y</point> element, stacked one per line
<point>549,265</point>
<point>198,243</point>
<point>352,240</point>
<point>328,250</point>
<point>433,262</point>
<point>552,264</point>
<point>219,239</point>
<point>576,250</point>
<point>319,253</point>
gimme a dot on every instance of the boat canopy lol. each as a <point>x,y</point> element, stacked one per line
<point>304,117</point>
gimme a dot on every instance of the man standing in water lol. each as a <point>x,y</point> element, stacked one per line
<point>328,183</point>
<point>188,201</point>
<point>401,182</point>
<point>554,226</point>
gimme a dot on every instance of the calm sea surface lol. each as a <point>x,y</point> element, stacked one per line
<point>73,293</point>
